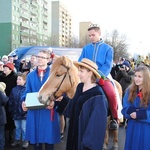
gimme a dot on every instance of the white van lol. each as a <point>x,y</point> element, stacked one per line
<point>24,53</point>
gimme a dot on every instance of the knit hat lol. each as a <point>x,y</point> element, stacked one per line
<point>10,66</point>
<point>126,63</point>
<point>89,65</point>
<point>2,86</point>
<point>5,56</point>
<point>1,63</point>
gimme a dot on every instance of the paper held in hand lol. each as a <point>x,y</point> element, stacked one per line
<point>32,102</point>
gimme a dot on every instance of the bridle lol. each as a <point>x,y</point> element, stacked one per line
<point>63,80</point>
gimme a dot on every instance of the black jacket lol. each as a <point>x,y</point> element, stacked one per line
<point>3,101</point>
<point>124,78</point>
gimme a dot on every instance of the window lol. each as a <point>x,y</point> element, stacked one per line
<point>17,28</point>
<point>13,27</point>
<point>13,37</point>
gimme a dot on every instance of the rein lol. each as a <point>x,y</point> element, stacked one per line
<point>63,80</point>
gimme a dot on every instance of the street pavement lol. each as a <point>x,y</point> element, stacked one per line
<point>62,144</point>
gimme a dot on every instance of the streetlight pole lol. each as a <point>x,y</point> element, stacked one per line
<point>20,36</point>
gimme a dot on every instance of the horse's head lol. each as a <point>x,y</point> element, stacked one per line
<point>63,79</point>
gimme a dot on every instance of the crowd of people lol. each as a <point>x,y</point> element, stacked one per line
<point>89,108</point>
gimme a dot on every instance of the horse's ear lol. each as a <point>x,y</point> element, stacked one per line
<point>66,61</point>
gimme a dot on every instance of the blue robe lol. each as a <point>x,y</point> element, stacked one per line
<point>100,53</point>
<point>88,117</point>
<point>138,130</point>
<point>39,126</point>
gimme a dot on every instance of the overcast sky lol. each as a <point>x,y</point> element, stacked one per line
<point>129,17</point>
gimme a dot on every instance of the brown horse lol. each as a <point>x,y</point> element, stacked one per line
<point>64,79</point>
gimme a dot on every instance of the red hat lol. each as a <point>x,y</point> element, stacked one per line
<point>10,66</point>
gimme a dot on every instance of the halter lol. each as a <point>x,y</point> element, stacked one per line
<point>63,80</point>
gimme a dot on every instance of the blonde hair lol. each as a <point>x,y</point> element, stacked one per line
<point>145,89</point>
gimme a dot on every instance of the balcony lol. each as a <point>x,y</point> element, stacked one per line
<point>33,26</point>
<point>34,4</point>
<point>33,19</point>
<point>24,15</point>
<point>33,11</point>
<point>45,27</point>
<point>25,25</point>
<point>24,6</point>
<point>45,2</point>
<point>45,20</point>
<point>25,1</point>
<point>45,13</point>
<point>45,7</point>
<point>24,34</point>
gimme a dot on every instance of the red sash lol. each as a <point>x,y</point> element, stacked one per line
<point>110,92</point>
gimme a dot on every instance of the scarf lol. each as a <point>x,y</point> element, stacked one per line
<point>140,94</point>
<point>41,73</point>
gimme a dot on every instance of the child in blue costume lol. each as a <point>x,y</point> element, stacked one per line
<point>136,108</point>
<point>41,127</point>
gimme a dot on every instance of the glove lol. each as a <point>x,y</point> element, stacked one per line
<point>131,109</point>
<point>141,114</point>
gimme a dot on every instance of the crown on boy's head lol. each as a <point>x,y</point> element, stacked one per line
<point>93,25</point>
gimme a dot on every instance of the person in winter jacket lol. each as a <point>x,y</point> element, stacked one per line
<point>124,75</point>
<point>9,77</point>
<point>3,101</point>
<point>16,111</point>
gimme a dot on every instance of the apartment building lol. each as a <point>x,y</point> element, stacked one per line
<point>61,25</point>
<point>24,23</point>
<point>83,36</point>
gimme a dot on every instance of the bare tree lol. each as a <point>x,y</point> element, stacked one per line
<point>74,42</point>
<point>118,42</point>
<point>54,40</point>
<point>85,40</point>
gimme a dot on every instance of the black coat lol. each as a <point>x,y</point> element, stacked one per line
<point>88,118</point>
<point>124,78</point>
<point>10,81</point>
<point>3,101</point>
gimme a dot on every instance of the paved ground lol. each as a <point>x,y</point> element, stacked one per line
<point>61,146</point>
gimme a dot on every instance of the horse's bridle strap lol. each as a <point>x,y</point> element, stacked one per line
<point>63,80</point>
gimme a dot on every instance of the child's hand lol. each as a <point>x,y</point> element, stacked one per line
<point>51,105</point>
<point>133,115</point>
<point>24,106</point>
<point>59,98</point>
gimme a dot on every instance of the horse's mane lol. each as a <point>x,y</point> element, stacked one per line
<point>63,60</point>
<point>58,61</point>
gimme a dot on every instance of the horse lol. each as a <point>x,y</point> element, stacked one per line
<point>63,72</point>
<point>64,79</point>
